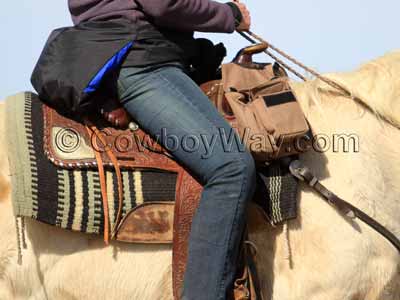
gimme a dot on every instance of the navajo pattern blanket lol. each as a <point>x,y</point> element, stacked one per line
<point>277,193</point>
<point>70,199</point>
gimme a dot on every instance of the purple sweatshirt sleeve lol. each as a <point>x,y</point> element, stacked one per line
<point>190,15</point>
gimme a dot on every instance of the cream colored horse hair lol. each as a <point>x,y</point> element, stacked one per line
<point>4,182</point>
<point>375,84</point>
<point>331,258</point>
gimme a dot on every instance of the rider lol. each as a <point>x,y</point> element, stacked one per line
<point>155,89</point>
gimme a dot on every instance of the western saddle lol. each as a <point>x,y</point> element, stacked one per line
<point>149,222</point>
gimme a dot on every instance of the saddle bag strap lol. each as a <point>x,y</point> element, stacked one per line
<point>92,130</point>
<point>299,170</point>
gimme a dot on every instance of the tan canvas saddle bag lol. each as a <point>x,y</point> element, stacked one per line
<point>269,119</point>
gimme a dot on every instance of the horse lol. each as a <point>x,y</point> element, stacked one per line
<point>320,255</point>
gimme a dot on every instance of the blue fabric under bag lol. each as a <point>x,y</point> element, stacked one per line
<point>112,65</point>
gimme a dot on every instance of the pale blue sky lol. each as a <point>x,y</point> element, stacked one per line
<point>327,35</point>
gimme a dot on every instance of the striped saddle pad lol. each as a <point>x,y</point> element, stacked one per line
<point>71,199</point>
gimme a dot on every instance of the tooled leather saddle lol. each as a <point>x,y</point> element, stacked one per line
<point>143,224</point>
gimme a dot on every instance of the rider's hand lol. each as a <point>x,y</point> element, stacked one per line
<point>246,19</point>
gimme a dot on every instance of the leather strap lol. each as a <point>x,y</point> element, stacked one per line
<point>253,278</point>
<point>92,129</point>
<point>241,290</point>
<point>247,287</point>
<point>299,170</point>
<point>103,187</point>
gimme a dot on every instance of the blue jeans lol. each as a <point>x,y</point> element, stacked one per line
<point>168,105</point>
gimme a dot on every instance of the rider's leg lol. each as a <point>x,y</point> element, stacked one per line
<point>166,102</point>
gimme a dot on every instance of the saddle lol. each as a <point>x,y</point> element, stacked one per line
<point>72,145</point>
<point>123,145</point>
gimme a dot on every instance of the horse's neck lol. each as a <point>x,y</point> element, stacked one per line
<point>367,174</point>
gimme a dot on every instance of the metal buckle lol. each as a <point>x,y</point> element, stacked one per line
<point>300,171</point>
<point>295,168</point>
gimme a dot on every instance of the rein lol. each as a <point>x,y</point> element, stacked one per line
<point>252,37</point>
<point>302,172</point>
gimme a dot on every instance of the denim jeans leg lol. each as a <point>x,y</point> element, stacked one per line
<point>168,105</point>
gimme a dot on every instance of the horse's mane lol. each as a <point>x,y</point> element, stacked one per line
<point>376,84</point>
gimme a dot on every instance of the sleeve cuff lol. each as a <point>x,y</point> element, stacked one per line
<point>236,13</point>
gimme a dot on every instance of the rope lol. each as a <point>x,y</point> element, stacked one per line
<point>328,81</point>
<point>282,63</point>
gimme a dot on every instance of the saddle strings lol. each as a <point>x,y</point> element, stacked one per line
<point>92,129</point>
<point>251,37</point>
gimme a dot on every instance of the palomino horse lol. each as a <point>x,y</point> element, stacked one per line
<point>320,256</point>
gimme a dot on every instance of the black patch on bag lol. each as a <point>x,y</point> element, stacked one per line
<point>279,99</point>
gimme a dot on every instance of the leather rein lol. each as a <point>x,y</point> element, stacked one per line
<point>247,286</point>
<point>302,172</point>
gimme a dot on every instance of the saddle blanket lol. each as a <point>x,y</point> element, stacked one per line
<point>71,199</point>
<point>277,193</point>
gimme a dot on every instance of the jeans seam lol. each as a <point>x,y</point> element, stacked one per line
<point>234,222</point>
<point>244,177</point>
<point>222,275</point>
<point>121,87</point>
<point>150,72</point>
<point>162,77</point>
<point>151,75</point>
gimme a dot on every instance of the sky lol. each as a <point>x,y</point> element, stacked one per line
<point>329,36</point>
